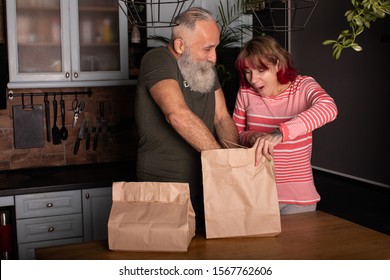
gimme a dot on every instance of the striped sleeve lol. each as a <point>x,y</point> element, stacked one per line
<point>239,117</point>
<point>321,110</point>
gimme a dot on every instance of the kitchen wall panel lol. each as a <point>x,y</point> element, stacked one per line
<point>2,32</point>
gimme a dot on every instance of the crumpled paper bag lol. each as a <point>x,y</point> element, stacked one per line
<point>240,199</point>
<point>151,216</point>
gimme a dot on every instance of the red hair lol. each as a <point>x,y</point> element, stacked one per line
<point>259,53</point>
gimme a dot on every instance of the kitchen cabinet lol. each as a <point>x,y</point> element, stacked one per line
<point>96,211</point>
<point>67,43</point>
<point>46,219</point>
<point>59,218</point>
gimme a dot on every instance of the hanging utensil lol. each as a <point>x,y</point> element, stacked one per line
<point>103,124</point>
<point>28,125</point>
<point>96,136</point>
<point>89,132</point>
<point>77,108</point>
<point>55,130</point>
<point>63,130</point>
<point>79,137</point>
<point>47,118</point>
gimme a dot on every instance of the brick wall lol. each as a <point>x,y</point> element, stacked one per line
<point>118,105</point>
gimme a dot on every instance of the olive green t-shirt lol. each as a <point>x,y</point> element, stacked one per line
<point>163,155</point>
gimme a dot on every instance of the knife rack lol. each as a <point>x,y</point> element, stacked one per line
<point>12,95</point>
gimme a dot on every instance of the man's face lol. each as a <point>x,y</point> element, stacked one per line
<point>198,59</point>
<point>204,41</point>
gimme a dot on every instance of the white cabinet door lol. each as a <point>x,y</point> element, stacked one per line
<point>66,43</point>
<point>96,211</point>
<point>100,51</point>
<point>38,45</point>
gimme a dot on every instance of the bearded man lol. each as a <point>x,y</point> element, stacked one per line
<point>180,109</point>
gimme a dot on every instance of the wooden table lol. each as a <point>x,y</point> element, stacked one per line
<point>308,236</point>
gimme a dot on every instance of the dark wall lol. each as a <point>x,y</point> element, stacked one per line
<point>3,76</point>
<point>3,58</point>
<point>355,143</point>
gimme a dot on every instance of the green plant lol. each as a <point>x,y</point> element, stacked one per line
<point>229,20</point>
<point>360,17</point>
<point>233,31</point>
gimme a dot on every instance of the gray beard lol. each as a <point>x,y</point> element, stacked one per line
<point>200,76</point>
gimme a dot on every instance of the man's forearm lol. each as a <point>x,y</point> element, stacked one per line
<point>194,131</point>
<point>227,131</point>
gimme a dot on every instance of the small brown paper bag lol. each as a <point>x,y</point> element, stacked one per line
<point>240,199</point>
<point>150,216</point>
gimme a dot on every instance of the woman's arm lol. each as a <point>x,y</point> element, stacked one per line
<point>321,109</point>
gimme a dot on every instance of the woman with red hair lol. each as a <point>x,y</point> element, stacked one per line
<point>276,111</point>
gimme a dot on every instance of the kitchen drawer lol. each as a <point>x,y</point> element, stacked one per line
<point>27,251</point>
<point>49,228</point>
<point>47,204</point>
<point>6,201</point>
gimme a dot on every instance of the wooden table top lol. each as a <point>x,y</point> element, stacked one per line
<point>307,236</point>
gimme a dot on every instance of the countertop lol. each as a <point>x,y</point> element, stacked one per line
<point>22,181</point>
<point>308,236</point>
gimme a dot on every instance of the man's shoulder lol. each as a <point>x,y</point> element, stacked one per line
<point>158,52</point>
<point>158,56</point>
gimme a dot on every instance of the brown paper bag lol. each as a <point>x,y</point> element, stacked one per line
<point>150,216</point>
<point>239,198</point>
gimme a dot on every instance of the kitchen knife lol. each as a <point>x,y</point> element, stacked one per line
<point>96,136</point>
<point>47,117</point>
<point>89,132</point>
<point>103,123</point>
<point>80,137</point>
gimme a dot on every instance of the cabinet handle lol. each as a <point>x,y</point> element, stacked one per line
<point>76,75</point>
<point>67,75</point>
<point>87,196</point>
<point>49,205</point>
<point>50,229</point>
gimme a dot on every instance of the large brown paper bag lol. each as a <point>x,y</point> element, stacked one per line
<point>240,199</point>
<point>150,216</point>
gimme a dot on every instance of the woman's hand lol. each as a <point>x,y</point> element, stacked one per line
<point>265,143</point>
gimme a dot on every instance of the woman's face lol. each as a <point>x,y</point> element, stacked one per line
<point>263,80</point>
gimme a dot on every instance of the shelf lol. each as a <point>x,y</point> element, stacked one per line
<point>38,9</point>
<point>99,45</point>
<point>40,45</point>
<point>98,9</point>
<point>57,45</point>
<point>67,84</point>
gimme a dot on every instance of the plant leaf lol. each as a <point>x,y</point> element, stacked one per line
<point>328,42</point>
<point>356,47</point>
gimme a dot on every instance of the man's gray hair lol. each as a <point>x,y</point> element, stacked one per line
<point>189,17</point>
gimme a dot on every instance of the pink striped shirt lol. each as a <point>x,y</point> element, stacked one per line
<point>297,111</point>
